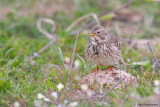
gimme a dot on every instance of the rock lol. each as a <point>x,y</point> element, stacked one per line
<point>95,81</point>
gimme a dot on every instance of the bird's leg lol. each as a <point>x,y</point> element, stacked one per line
<point>96,70</point>
<point>111,67</point>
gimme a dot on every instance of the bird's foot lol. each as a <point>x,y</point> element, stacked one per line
<point>95,70</point>
<point>111,68</point>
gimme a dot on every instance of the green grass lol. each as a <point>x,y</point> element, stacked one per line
<point>20,80</point>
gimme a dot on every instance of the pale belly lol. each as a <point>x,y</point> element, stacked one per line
<point>102,55</point>
<point>102,60</point>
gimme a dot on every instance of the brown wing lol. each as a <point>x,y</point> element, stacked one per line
<point>115,40</point>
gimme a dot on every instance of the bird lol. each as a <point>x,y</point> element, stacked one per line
<point>103,48</point>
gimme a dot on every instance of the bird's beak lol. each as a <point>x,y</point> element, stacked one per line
<point>91,34</point>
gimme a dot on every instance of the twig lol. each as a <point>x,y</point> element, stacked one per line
<point>73,53</point>
<point>42,49</point>
<point>43,31</point>
<point>112,87</point>
<point>151,49</point>
<point>53,36</point>
<point>82,18</point>
<point>93,22</point>
<point>155,58</point>
<point>121,7</point>
<point>82,28</point>
<point>61,56</point>
<point>46,46</point>
<point>81,60</point>
<point>71,64</point>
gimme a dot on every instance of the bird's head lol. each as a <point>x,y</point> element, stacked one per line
<point>98,33</point>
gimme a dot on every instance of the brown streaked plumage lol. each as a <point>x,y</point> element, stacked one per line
<point>103,49</point>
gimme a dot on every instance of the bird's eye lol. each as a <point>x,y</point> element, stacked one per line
<point>98,32</point>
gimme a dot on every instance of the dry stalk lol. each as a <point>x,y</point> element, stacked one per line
<point>151,49</point>
<point>71,64</point>
<point>111,12</point>
<point>53,36</point>
<point>43,31</point>
<point>121,7</point>
<point>112,87</point>
<point>82,18</point>
<point>81,60</point>
<point>155,58</point>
